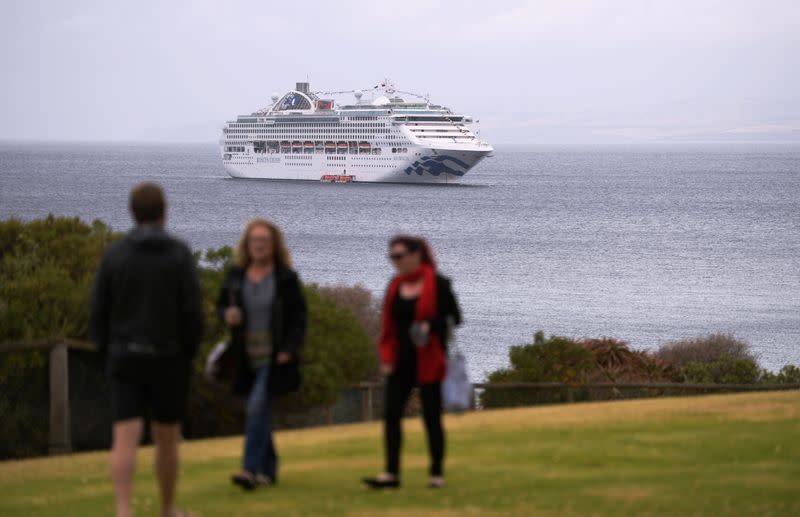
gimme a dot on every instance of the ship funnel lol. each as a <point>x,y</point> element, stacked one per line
<point>302,87</point>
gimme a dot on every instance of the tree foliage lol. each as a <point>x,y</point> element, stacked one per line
<point>711,359</point>
<point>47,268</point>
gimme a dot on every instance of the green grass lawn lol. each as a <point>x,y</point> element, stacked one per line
<point>711,455</point>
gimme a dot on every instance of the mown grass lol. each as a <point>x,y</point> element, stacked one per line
<point>712,455</point>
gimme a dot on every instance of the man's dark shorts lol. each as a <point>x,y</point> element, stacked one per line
<point>158,384</point>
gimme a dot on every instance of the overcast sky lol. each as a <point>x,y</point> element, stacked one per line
<point>559,71</point>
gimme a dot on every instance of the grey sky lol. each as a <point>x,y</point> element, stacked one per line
<point>555,71</point>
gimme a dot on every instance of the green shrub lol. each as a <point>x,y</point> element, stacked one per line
<point>719,359</point>
<point>47,268</point>
<point>358,300</point>
<point>615,361</point>
<point>789,374</point>
<point>337,352</point>
<point>554,359</point>
<point>704,349</point>
<point>726,370</point>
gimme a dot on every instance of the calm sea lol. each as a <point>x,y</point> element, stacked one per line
<point>643,244</point>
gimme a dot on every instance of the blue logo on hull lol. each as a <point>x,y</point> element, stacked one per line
<point>436,165</point>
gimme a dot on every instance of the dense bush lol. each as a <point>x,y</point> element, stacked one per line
<point>553,359</point>
<point>337,352</point>
<point>46,271</point>
<point>725,370</point>
<point>47,268</point>
<point>712,359</point>
<point>615,361</point>
<point>561,359</point>
<point>358,300</point>
<point>789,374</point>
<point>704,349</point>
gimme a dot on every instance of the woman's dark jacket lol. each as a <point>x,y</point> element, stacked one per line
<point>288,330</point>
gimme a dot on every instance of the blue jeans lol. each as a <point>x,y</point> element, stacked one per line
<point>260,456</point>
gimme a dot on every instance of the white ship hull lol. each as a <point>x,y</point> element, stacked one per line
<point>430,166</point>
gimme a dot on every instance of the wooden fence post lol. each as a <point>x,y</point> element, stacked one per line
<point>365,389</point>
<point>60,435</point>
<point>369,404</point>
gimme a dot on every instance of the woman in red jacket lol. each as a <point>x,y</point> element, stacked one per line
<point>417,311</point>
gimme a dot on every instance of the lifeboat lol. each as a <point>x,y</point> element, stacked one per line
<point>330,145</point>
<point>296,144</point>
<point>337,178</point>
<point>342,145</point>
<point>285,143</point>
<point>308,145</point>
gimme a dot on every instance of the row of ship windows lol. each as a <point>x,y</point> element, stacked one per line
<point>369,158</point>
<point>318,143</point>
<point>468,137</point>
<point>230,138</point>
<point>303,154</point>
<point>328,124</point>
<point>376,141</point>
<point>452,130</point>
<point>307,128</point>
<point>261,131</point>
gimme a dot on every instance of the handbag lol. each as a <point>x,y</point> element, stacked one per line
<point>284,378</point>
<point>456,388</point>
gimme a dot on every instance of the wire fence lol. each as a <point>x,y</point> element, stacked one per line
<point>65,405</point>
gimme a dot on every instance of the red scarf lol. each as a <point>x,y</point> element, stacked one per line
<point>431,362</point>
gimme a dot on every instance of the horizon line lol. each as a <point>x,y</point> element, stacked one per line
<point>5,140</point>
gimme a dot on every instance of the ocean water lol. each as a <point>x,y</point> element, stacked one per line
<point>645,244</point>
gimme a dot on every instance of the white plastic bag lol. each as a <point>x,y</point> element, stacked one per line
<point>456,389</point>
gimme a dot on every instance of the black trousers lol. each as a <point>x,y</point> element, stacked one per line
<point>398,389</point>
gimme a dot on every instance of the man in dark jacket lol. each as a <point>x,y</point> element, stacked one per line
<point>147,319</point>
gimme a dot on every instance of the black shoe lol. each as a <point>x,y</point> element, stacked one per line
<point>380,484</point>
<point>245,480</point>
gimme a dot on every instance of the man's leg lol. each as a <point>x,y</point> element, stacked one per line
<point>166,437</point>
<point>127,435</point>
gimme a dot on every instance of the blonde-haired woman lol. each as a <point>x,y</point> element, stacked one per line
<point>262,303</point>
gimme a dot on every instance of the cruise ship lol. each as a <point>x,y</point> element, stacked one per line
<point>374,135</point>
